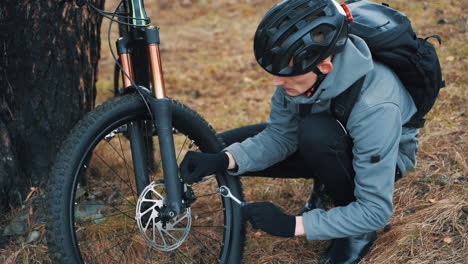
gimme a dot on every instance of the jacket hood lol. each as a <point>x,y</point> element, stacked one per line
<point>349,65</point>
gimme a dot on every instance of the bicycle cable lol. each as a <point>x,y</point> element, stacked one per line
<point>110,16</point>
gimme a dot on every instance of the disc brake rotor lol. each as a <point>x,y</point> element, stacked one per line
<point>158,230</point>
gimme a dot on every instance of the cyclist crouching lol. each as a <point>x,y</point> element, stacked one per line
<point>306,47</point>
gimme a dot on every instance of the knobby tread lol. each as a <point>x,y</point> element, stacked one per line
<point>55,236</point>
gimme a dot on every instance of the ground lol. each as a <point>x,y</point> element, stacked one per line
<point>209,65</point>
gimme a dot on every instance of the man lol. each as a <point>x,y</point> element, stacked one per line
<point>306,47</point>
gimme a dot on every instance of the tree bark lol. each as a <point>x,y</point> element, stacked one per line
<point>48,70</point>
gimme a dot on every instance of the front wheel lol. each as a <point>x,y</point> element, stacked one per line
<point>93,194</point>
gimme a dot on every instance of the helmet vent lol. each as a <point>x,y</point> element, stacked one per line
<point>313,17</point>
<point>286,36</point>
<point>322,34</point>
<point>283,23</point>
<point>300,9</point>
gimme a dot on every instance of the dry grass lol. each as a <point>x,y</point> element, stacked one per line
<point>209,65</point>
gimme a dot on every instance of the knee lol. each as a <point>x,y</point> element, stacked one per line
<point>240,134</point>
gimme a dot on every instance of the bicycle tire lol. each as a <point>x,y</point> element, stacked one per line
<point>79,181</point>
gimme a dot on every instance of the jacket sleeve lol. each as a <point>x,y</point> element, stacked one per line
<point>273,144</point>
<point>376,134</point>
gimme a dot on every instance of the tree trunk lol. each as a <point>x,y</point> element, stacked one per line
<point>48,70</point>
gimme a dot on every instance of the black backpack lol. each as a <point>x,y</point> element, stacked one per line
<point>392,41</point>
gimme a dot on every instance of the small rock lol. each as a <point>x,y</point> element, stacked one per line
<point>425,5</point>
<point>286,195</point>
<point>465,209</point>
<point>448,240</point>
<point>257,234</point>
<point>87,208</point>
<point>195,94</point>
<point>186,2</point>
<point>33,236</point>
<point>441,21</point>
<point>247,80</point>
<point>387,228</point>
<point>410,211</point>
<point>79,193</point>
<point>97,218</point>
<point>442,181</point>
<point>15,228</point>
<point>95,195</point>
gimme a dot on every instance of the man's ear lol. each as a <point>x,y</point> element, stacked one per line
<point>326,66</point>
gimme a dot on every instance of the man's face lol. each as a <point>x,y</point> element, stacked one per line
<point>296,85</point>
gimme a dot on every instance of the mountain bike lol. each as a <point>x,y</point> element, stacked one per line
<point>115,192</point>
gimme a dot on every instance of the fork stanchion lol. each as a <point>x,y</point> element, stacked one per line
<point>157,76</point>
<point>126,61</point>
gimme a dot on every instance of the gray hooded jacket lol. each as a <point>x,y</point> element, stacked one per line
<point>375,125</point>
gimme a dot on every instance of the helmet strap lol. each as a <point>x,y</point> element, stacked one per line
<point>320,77</point>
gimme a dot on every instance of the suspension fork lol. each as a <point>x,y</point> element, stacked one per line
<point>162,114</point>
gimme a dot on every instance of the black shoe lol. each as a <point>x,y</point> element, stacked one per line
<point>348,250</point>
<point>318,199</point>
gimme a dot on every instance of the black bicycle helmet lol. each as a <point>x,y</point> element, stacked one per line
<point>306,31</point>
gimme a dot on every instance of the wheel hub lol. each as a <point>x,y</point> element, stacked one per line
<point>157,228</point>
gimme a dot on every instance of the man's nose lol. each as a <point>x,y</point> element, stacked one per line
<point>278,80</point>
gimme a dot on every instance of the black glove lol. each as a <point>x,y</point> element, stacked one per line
<point>196,165</point>
<point>269,218</point>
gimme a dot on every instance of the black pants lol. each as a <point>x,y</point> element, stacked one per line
<point>324,153</point>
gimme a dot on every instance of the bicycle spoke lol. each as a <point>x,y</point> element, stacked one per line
<point>115,173</point>
<point>107,253</point>
<point>94,194</point>
<point>113,205</point>
<point>183,255</point>
<point>125,161</point>
<point>201,243</point>
<point>208,226</point>
<point>209,212</point>
<point>149,255</point>
<point>206,195</point>
<point>121,150</point>
<point>109,237</point>
<point>179,258</point>
<point>120,258</point>
<point>106,184</point>
<point>206,179</point>
<point>207,236</point>
<point>108,216</point>
<point>181,148</point>
<point>122,249</point>
<point>112,247</point>
<point>110,204</point>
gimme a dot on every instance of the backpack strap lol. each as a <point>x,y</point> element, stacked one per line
<point>342,105</point>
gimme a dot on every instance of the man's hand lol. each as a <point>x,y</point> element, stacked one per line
<point>269,218</point>
<point>197,165</point>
